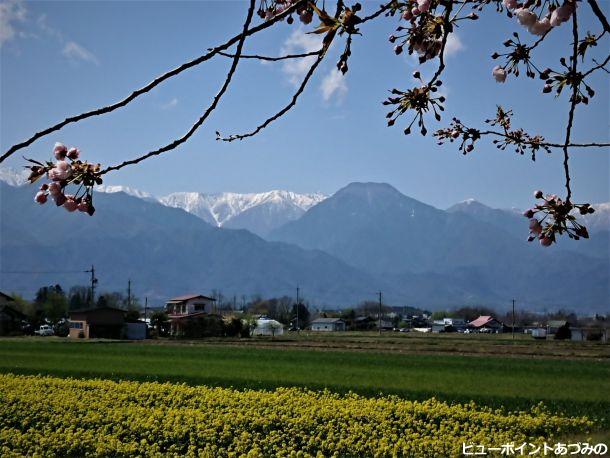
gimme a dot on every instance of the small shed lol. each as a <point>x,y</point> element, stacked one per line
<point>328,324</point>
<point>97,322</point>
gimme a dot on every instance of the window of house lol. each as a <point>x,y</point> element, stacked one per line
<point>76,324</point>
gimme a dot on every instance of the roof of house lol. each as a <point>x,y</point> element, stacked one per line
<point>188,297</point>
<point>95,309</point>
<point>326,320</point>
<point>556,323</point>
<point>6,297</point>
<point>12,311</point>
<point>483,320</point>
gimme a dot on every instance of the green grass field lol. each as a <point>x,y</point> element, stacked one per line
<point>574,386</point>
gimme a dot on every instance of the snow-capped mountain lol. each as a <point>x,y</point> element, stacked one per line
<point>257,212</point>
<point>127,190</point>
<point>14,177</point>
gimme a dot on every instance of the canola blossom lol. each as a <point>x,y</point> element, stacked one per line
<point>49,416</point>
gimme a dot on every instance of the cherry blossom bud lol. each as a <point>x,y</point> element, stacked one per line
<point>398,49</point>
<point>392,38</point>
<point>73,153</point>
<point>306,17</point>
<point>511,4</point>
<point>531,238</point>
<point>407,15</point>
<point>415,11</point>
<point>44,187</point>
<point>546,241</point>
<point>54,188</point>
<point>455,133</point>
<point>538,194</point>
<point>59,199</point>
<point>526,17</point>
<point>416,74</point>
<point>60,150</point>
<point>547,88</point>
<point>70,204</point>
<point>499,74</point>
<point>535,226</point>
<point>528,213</point>
<point>83,207</point>
<point>41,197</point>
<point>469,148</point>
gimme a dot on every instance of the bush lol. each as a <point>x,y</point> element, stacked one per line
<point>62,329</point>
<point>233,328</point>
<point>563,332</point>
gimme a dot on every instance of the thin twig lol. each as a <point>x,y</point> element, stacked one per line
<point>441,57</point>
<point>548,144</point>
<point>208,111</point>
<point>149,86</point>
<point>381,9</point>
<point>284,110</point>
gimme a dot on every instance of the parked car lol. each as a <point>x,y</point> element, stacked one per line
<point>44,330</point>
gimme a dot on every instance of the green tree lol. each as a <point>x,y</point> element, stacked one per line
<point>55,306</point>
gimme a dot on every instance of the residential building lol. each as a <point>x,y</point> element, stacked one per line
<point>11,319</point>
<point>486,323</point>
<point>183,309</point>
<point>98,322</point>
<point>328,324</point>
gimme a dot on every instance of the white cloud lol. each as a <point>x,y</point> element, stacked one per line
<point>454,45</point>
<point>333,85</point>
<point>171,104</point>
<point>74,51</point>
<point>299,42</point>
<point>11,11</point>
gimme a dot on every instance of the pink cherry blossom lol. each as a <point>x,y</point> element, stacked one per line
<point>306,17</point>
<point>83,207</point>
<point>499,74</point>
<point>60,150</point>
<point>538,194</point>
<point>423,5</point>
<point>540,27</point>
<point>41,197</point>
<point>73,153</point>
<point>535,226</point>
<point>415,11</point>
<point>407,15</point>
<point>526,17</point>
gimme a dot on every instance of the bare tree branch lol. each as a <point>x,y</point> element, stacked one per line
<point>149,86</point>
<point>381,9</point>
<point>208,111</point>
<point>272,59</point>
<point>573,101</point>
<point>600,15</point>
<point>284,110</point>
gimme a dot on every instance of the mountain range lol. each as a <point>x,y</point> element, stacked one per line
<point>340,250</point>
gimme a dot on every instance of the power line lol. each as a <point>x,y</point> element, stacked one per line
<point>43,271</point>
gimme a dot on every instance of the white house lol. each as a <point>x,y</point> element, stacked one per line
<point>328,324</point>
<point>189,304</point>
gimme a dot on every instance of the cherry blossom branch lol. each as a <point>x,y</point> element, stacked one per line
<point>573,102</point>
<point>210,108</point>
<point>600,15</point>
<point>543,143</point>
<point>147,88</point>
<point>284,110</point>
<point>272,59</point>
<point>377,13</point>
<point>441,58</point>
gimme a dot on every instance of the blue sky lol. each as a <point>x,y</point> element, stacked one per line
<point>62,58</point>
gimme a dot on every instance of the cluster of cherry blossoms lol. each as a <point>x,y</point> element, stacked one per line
<point>536,25</point>
<point>556,217</point>
<point>67,169</point>
<point>425,32</point>
<point>267,10</point>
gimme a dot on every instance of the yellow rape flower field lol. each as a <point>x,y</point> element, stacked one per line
<point>42,415</point>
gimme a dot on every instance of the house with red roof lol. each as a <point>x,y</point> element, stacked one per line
<point>486,323</point>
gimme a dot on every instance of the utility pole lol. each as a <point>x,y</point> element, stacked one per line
<point>129,293</point>
<point>380,295</point>
<point>298,302</point>
<point>145,308</point>
<point>513,319</point>
<point>93,283</point>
